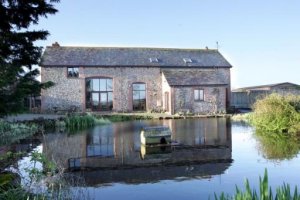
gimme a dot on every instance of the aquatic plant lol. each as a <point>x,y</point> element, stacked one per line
<point>265,192</point>
<point>277,114</point>
<point>47,182</point>
<point>83,121</point>
<point>13,132</point>
<point>245,117</point>
<point>126,117</point>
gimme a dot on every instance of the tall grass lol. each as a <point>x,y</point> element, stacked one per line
<point>13,132</point>
<point>84,121</point>
<point>265,192</point>
<point>277,114</point>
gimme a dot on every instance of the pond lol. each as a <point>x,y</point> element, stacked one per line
<point>209,155</point>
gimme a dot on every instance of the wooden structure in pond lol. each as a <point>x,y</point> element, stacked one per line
<point>156,135</point>
<point>246,97</point>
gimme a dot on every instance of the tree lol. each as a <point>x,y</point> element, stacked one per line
<point>18,54</point>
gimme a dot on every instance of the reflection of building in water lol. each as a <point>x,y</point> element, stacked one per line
<point>100,143</point>
<point>207,131</point>
<point>117,147</point>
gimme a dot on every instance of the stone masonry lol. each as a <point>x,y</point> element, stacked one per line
<point>170,75</point>
<point>71,91</point>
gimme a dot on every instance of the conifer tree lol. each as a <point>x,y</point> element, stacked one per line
<point>18,53</point>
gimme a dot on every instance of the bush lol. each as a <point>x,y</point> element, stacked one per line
<point>276,113</point>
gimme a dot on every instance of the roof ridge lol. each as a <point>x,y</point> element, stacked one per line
<point>148,48</point>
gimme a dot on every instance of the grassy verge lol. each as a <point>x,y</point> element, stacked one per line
<point>121,118</point>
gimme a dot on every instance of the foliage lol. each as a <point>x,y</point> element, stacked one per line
<point>245,117</point>
<point>50,174</point>
<point>277,114</point>
<point>278,146</point>
<point>77,122</point>
<point>265,192</point>
<point>12,132</point>
<point>121,118</point>
<point>18,54</point>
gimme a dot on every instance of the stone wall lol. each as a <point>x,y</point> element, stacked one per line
<point>65,93</point>
<point>166,90</point>
<point>71,91</point>
<point>214,100</point>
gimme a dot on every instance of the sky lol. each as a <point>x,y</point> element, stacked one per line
<point>259,38</point>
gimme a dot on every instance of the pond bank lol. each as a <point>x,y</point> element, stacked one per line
<point>113,116</point>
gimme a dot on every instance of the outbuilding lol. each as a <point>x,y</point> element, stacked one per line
<point>247,96</point>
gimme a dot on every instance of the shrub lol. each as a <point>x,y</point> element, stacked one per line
<point>276,113</point>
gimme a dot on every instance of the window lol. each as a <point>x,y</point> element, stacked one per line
<point>139,96</point>
<point>99,94</point>
<point>187,60</point>
<point>199,95</point>
<point>73,72</point>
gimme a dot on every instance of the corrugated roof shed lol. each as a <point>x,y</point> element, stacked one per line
<point>196,78</point>
<point>266,87</point>
<point>134,57</point>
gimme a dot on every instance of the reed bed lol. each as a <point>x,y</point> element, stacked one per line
<point>283,192</point>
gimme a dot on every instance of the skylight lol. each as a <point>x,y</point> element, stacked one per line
<point>187,60</point>
<point>154,60</point>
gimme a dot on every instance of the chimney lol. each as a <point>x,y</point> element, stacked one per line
<point>55,44</point>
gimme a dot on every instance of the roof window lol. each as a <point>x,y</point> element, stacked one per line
<point>154,60</point>
<point>187,60</point>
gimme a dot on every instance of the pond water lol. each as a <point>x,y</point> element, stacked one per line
<point>208,156</point>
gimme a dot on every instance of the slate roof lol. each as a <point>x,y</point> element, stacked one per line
<point>134,57</point>
<point>266,87</point>
<point>194,78</point>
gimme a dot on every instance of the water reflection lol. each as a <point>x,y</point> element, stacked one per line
<point>202,147</point>
<point>277,146</point>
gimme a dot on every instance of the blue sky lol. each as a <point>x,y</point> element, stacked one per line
<point>259,38</point>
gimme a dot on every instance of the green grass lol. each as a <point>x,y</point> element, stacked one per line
<point>283,192</point>
<point>121,118</point>
<point>77,122</point>
<point>245,117</point>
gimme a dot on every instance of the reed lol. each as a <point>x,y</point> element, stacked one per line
<point>77,122</point>
<point>265,192</point>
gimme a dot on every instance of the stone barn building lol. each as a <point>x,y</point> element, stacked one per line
<point>135,79</point>
<point>246,97</point>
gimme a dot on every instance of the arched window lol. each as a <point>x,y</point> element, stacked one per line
<point>99,94</point>
<point>139,96</point>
